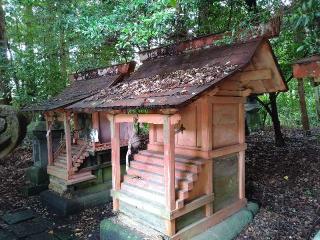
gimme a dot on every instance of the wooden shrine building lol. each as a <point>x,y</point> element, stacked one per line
<point>85,135</point>
<point>308,67</point>
<point>192,174</point>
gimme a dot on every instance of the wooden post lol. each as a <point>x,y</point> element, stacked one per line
<point>207,135</point>
<point>68,142</point>
<point>49,138</point>
<point>316,98</point>
<point>76,127</point>
<point>169,170</point>
<point>303,107</point>
<point>115,159</point>
<point>241,157</point>
<point>95,120</point>
<point>152,133</point>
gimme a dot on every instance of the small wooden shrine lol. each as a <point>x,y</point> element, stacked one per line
<point>307,68</point>
<point>192,174</point>
<point>86,136</point>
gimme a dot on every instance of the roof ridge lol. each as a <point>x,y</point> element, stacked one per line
<point>122,68</point>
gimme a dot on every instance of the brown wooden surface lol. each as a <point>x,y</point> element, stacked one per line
<point>169,170</point>
<point>115,159</point>
<point>67,131</point>
<point>204,224</point>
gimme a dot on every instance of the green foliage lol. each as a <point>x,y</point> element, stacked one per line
<point>48,40</point>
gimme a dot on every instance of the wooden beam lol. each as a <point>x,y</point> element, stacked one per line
<point>228,150</point>
<point>303,107</point>
<point>217,99</point>
<point>202,154</point>
<point>146,118</point>
<point>240,93</point>
<point>254,75</point>
<point>169,170</point>
<point>195,204</point>
<point>115,160</point>
<point>68,142</point>
<point>207,222</point>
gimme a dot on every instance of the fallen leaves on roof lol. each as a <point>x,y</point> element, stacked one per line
<point>160,84</point>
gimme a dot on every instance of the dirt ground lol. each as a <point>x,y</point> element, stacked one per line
<point>284,181</point>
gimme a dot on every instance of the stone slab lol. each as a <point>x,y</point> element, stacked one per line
<point>20,216</point>
<point>30,227</point>
<point>42,236</point>
<point>31,190</point>
<point>64,206</point>
<point>5,235</point>
<point>112,231</point>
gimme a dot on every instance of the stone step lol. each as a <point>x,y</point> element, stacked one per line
<point>159,170</point>
<point>150,196</point>
<point>140,203</point>
<point>157,160</point>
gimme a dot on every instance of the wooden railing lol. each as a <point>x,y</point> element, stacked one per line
<point>78,155</point>
<point>62,145</point>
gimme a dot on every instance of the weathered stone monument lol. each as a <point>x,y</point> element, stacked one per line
<point>12,129</point>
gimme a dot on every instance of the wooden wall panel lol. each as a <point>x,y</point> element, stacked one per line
<point>159,133</point>
<point>189,120</point>
<point>225,125</point>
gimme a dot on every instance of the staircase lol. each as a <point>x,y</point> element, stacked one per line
<point>59,167</point>
<point>143,185</point>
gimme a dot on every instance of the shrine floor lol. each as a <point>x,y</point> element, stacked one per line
<point>284,181</point>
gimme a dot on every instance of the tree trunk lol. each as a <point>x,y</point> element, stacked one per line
<point>203,16</point>
<point>5,90</point>
<point>303,108</point>
<point>279,140</point>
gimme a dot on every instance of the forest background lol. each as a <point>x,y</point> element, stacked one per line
<point>43,41</point>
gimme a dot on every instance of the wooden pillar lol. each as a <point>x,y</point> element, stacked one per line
<point>115,159</point>
<point>241,157</point>
<point>49,138</point>
<point>68,142</point>
<point>95,120</point>
<point>169,170</point>
<point>152,133</point>
<point>76,127</point>
<point>316,98</point>
<point>207,143</point>
<point>303,107</point>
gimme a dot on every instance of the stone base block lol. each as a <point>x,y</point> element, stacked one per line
<point>225,230</point>
<point>66,205</point>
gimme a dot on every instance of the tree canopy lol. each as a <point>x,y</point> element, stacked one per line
<point>44,41</point>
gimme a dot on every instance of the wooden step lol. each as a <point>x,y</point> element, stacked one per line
<point>148,185</point>
<point>57,172</point>
<point>182,193</point>
<point>60,164</point>
<point>81,177</point>
<point>151,159</point>
<point>179,158</point>
<point>149,176</point>
<point>159,170</point>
